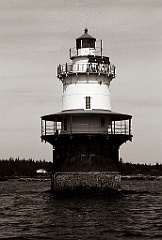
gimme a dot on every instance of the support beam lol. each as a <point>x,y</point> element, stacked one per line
<point>54,159</point>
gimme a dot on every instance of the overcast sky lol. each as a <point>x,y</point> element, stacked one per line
<point>35,36</point>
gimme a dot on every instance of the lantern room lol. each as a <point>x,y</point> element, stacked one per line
<point>85,44</point>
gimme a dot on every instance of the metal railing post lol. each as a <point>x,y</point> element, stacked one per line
<point>111,128</point>
<point>45,128</point>
<point>129,126</point>
<point>41,129</point>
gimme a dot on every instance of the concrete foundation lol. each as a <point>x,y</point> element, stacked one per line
<point>72,181</point>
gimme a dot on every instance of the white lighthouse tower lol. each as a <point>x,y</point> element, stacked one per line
<point>86,135</point>
<point>88,88</point>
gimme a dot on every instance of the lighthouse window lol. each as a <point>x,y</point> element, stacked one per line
<point>102,122</point>
<point>88,102</point>
<point>65,124</point>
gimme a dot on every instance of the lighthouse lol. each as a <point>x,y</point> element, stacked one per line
<point>86,135</point>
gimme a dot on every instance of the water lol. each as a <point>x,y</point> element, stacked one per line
<point>29,212</point>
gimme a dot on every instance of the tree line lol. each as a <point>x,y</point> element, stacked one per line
<point>22,167</point>
<point>145,169</point>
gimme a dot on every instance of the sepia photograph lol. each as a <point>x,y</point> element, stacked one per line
<point>80,119</point>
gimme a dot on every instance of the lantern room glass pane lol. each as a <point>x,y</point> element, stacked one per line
<point>85,43</point>
<point>88,43</point>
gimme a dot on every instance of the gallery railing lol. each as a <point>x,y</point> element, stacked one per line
<point>56,128</point>
<point>99,68</point>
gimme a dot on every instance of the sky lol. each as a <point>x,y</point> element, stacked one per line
<point>36,35</point>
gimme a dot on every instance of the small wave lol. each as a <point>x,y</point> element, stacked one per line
<point>135,234</point>
<point>123,191</point>
<point>27,238</point>
<point>133,192</point>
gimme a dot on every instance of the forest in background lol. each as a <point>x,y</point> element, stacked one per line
<point>22,167</point>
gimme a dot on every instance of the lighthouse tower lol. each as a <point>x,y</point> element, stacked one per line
<point>86,135</point>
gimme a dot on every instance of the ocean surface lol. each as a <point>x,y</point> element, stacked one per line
<point>29,211</point>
